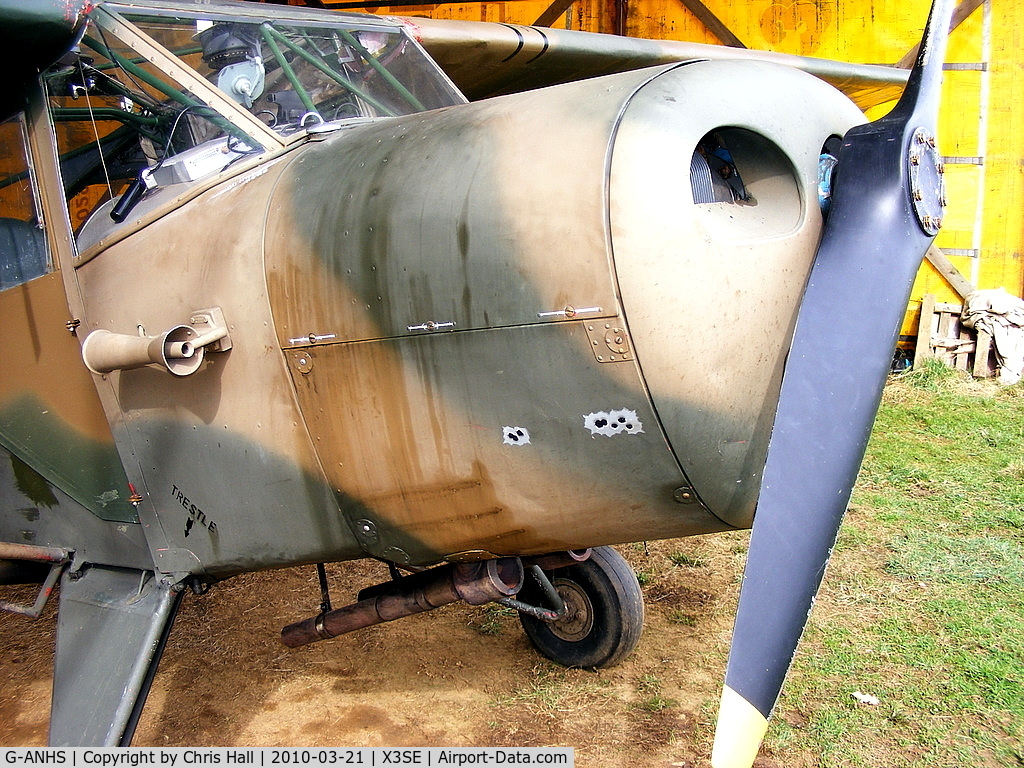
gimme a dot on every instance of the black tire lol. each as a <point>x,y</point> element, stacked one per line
<point>604,612</point>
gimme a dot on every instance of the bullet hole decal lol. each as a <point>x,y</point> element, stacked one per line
<point>612,423</point>
<point>516,436</point>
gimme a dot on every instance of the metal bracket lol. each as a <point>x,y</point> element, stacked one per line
<point>610,341</point>
<point>211,329</point>
<point>325,592</point>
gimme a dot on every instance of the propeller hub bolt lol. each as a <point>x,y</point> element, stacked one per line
<point>927,181</point>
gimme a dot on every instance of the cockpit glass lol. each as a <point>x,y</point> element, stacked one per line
<point>293,75</point>
<point>155,96</point>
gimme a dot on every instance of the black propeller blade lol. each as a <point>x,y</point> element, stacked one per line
<point>886,208</point>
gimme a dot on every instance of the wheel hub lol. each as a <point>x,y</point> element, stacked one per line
<point>578,619</point>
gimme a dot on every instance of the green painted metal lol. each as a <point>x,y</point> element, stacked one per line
<point>88,471</point>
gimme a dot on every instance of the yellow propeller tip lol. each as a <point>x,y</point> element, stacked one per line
<point>738,733</point>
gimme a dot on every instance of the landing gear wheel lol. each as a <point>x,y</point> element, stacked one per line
<point>604,612</point>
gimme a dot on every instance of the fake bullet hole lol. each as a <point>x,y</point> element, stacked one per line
<point>515,436</point>
<point>617,422</point>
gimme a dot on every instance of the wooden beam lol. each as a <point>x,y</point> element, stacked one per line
<point>713,23</point>
<point>982,354</point>
<point>949,273</point>
<point>960,15</point>
<point>553,13</point>
<point>923,350</point>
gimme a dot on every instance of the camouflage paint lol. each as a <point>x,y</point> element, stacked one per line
<point>50,416</point>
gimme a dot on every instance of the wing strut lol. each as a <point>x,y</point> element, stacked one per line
<point>886,208</point>
<point>112,626</point>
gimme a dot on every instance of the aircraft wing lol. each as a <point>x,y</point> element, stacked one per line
<point>487,59</point>
<point>32,36</point>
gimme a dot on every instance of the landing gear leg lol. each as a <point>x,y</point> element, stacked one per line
<point>603,615</point>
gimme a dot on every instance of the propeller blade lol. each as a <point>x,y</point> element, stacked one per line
<point>886,208</point>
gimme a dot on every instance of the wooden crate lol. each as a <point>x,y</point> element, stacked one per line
<point>941,335</point>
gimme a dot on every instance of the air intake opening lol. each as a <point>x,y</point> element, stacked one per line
<point>714,177</point>
<point>744,185</point>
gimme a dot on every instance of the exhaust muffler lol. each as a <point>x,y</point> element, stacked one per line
<point>474,583</point>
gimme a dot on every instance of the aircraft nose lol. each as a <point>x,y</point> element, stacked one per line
<point>714,222</point>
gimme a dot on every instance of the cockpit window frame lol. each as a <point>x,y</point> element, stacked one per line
<point>256,14</point>
<point>132,58</point>
<point>24,239</point>
<point>261,134</point>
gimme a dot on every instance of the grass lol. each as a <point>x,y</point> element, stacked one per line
<point>686,560</point>
<point>553,689</point>
<point>923,605</point>
<point>649,687</point>
<point>493,619</point>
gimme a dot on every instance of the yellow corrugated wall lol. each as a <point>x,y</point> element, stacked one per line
<point>983,111</point>
<point>1003,228</point>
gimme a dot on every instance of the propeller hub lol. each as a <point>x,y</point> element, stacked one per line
<point>927,181</point>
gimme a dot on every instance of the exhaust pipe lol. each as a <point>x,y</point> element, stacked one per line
<point>475,583</point>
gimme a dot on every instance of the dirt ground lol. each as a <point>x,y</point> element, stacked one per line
<point>460,676</point>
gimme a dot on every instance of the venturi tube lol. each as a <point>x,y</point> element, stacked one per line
<point>104,351</point>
